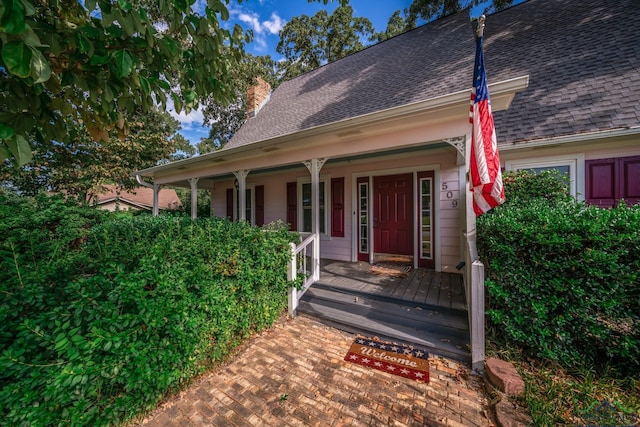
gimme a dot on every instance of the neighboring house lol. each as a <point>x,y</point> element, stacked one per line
<point>141,198</point>
<point>379,139</point>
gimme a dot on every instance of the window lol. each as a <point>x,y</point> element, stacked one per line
<point>425,218</point>
<point>569,166</point>
<point>248,214</point>
<point>306,207</point>
<point>331,209</point>
<point>363,223</point>
<point>254,204</point>
<point>425,213</point>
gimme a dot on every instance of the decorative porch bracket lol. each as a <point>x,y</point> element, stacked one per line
<point>458,143</point>
<point>314,166</point>
<point>241,176</point>
<point>193,182</point>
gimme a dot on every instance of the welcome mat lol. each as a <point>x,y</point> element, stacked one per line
<point>393,358</point>
<point>390,269</point>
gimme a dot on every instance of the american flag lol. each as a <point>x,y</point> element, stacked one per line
<point>486,175</point>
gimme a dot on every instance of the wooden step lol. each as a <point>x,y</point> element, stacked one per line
<point>456,312</point>
<point>440,331</point>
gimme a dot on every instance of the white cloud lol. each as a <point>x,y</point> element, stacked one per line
<point>253,20</point>
<point>186,120</point>
<point>274,24</point>
<point>193,116</point>
<point>261,29</point>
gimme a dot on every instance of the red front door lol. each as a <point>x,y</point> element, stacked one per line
<point>393,214</point>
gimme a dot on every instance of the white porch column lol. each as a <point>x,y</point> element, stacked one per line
<point>314,166</point>
<point>156,199</point>
<point>475,273</point>
<point>470,215</point>
<point>241,176</point>
<point>193,182</point>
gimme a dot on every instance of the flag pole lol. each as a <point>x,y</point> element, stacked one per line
<point>480,29</point>
<point>475,268</point>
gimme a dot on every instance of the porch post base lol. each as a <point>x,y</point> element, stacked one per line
<point>293,302</point>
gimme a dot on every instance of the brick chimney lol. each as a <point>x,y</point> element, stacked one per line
<point>257,96</point>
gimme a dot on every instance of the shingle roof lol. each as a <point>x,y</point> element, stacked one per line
<point>582,56</point>
<point>140,196</point>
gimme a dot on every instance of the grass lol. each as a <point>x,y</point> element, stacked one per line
<point>558,396</point>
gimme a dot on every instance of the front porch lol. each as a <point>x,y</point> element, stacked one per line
<point>425,308</point>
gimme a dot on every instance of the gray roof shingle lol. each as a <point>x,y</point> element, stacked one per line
<point>582,56</point>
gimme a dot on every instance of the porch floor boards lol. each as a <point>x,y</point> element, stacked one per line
<point>426,308</point>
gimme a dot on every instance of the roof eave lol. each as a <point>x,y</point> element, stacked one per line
<point>502,93</point>
<point>568,139</point>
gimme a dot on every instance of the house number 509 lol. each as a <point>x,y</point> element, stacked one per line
<point>449,194</point>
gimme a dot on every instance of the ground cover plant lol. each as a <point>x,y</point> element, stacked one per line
<point>563,281</point>
<point>101,315</point>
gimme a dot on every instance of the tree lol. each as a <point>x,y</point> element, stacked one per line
<point>308,42</point>
<point>327,38</point>
<point>427,10</point>
<point>183,147</point>
<point>395,26</point>
<point>225,119</point>
<point>430,9</point>
<point>81,166</point>
<point>97,62</point>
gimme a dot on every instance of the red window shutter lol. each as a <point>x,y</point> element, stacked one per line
<point>337,207</point>
<point>230,203</point>
<point>292,205</point>
<point>601,182</point>
<point>259,205</point>
<point>629,178</point>
<point>610,180</point>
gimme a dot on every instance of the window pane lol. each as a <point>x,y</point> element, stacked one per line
<point>307,220</point>
<point>306,208</point>
<point>563,169</point>
<point>248,207</point>
<point>425,218</point>
<point>323,220</point>
<point>364,217</point>
<point>247,211</point>
<point>306,195</point>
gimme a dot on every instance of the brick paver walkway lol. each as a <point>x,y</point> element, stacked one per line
<point>295,375</point>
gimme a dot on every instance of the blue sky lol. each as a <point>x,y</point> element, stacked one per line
<point>267,17</point>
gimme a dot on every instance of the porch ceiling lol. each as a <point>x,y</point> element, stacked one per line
<point>206,182</point>
<point>410,127</point>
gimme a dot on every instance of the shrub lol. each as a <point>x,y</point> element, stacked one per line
<point>107,315</point>
<point>522,186</point>
<point>564,280</point>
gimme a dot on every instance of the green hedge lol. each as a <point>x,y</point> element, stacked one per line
<point>564,279</point>
<point>100,317</point>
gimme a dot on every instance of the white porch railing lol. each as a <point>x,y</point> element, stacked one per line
<point>474,292</point>
<point>304,261</point>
